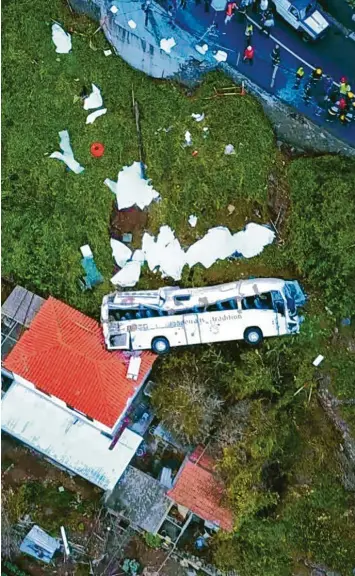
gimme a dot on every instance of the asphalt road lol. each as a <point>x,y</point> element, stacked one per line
<point>335,54</point>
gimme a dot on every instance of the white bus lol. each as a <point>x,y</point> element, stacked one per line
<point>173,316</point>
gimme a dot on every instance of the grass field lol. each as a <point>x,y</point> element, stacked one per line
<point>48,212</point>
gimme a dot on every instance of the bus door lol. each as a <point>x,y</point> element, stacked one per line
<point>192,329</point>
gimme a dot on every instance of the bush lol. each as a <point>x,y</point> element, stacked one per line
<point>321,227</point>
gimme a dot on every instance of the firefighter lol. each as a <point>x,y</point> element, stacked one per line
<point>316,75</point>
<point>231,7</point>
<point>299,76</point>
<point>344,86</point>
<point>248,33</point>
<point>333,112</point>
<point>275,55</point>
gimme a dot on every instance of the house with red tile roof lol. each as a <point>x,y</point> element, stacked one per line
<point>197,489</point>
<point>68,391</point>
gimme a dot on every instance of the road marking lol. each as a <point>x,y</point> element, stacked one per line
<point>274,76</point>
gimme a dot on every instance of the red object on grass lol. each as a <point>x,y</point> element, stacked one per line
<point>194,153</point>
<point>97,149</point>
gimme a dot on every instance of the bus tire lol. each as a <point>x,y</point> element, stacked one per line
<point>253,336</point>
<point>160,345</point>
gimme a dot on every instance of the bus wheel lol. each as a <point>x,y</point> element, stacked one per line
<point>160,345</point>
<point>253,336</point>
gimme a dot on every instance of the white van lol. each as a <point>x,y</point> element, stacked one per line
<point>173,316</point>
<point>304,17</point>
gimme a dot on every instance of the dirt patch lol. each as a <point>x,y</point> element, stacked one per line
<point>132,220</point>
<point>152,559</point>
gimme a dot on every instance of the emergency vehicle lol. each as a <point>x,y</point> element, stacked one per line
<point>304,17</point>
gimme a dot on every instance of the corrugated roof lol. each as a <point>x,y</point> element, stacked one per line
<point>197,488</point>
<point>63,354</point>
<point>66,438</point>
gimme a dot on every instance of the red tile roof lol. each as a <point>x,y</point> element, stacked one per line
<point>63,354</point>
<point>197,488</point>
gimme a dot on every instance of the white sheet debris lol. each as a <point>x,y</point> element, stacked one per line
<point>67,156</point>
<point>138,256</point>
<point>229,149</point>
<point>198,117</point>
<point>107,52</point>
<point>131,189</point>
<point>128,276</point>
<point>134,367</point>
<point>219,243</point>
<point>132,24</point>
<point>221,56</point>
<point>167,44</point>
<point>86,251</point>
<point>192,220</point>
<point>94,100</point>
<point>61,39</point>
<point>114,9</point>
<point>318,360</point>
<point>202,49</point>
<point>165,252</point>
<point>120,252</point>
<point>92,117</point>
<point>188,139</point>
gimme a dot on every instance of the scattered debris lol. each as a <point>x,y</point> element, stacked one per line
<point>132,24</point>
<point>194,153</point>
<point>229,149</point>
<point>206,132</point>
<point>188,139</point>
<point>61,39</point>
<point>67,156</point>
<point>192,220</point>
<point>40,545</point>
<point>94,100</point>
<point>114,9</point>
<point>230,209</point>
<point>127,237</point>
<point>198,117</point>
<point>138,256</point>
<point>128,275</point>
<point>166,130</point>
<point>202,49</point>
<point>164,252</point>
<point>65,541</point>
<point>61,488</point>
<point>97,149</point>
<point>92,117</point>
<point>120,252</point>
<point>167,44</point>
<point>318,360</point>
<point>92,277</point>
<point>134,367</point>
<point>131,189</point>
<point>108,52</point>
<point>220,56</point>
<point>346,322</point>
<point>219,244</point>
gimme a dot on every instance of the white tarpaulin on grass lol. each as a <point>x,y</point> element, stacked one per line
<point>164,253</point>
<point>61,39</point>
<point>92,117</point>
<point>120,252</point>
<point>131,189</point>
<point>67,156</point>
<point>94,100</point>
<point>128,275</point>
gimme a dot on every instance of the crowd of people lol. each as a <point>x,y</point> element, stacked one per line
<point>339,101</point>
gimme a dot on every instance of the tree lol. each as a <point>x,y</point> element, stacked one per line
<point>185,399</point>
